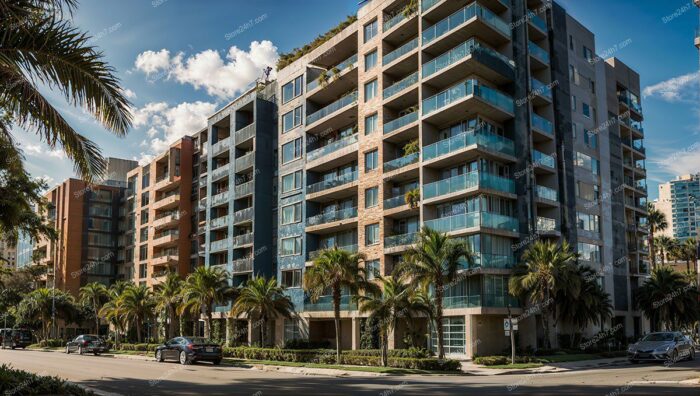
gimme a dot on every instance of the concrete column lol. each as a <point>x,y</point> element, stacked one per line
<point>229,331</point>
<point>278,325</point>
<point>471,341</point>
<point>356,333</point>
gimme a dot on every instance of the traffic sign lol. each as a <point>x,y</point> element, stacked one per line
<point>507,322</point>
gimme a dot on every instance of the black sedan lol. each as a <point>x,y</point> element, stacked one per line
<point>187,350</point>
<point>87,344</point>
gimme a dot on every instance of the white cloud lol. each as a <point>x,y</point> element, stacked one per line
<point>57,153</point>
<point>223,78</point>
<point>33,149</point>
<point>151,62</point>
<point>129,94</point>
<point>168,124</point>
<point>677,89</point>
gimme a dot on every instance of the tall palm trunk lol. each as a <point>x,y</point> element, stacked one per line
<point>438,319</point>
<point>138,329</point>
<point>385,347</point>
<point>262,332</point>
<point>545,322</point>
<point>336,319</point>
<point>207,322</point>
<point>651,248</point>
<point>173,325</point>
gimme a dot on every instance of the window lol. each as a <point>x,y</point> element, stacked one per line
<point>292,330</point>
<point>291,278</point>
<point>291,213</point>
<point>292,119</point>
<point>371,123</point>
<point>144,216</point>
<point>589,252</point>
<point>587,162</point>
<point>291,182</point>
<point>370,60</point>
<point>143,252</point>
<point>587,53</point>
<point>145,177</point>
<point>573,103</point>
<point>586,109</point>
<point>143,234</point>
<point>370,90</point>
<point>573,130</point>
<point>571,42</point>
<point>143,270</point>
<point>371,234</point>
<point>588,222</point>
<point>453,334</point>
<point>291,151</point>
<point>145,199</point>
<point>371,197</point>
<point>371,30</point>
<point>292,89</point>
<point>371,160</point>
<point>290,246</point>
<point>592,85</point>
<point>373,269</point>
<point>590,138</point>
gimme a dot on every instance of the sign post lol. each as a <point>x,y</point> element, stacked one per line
<point>510,327</point>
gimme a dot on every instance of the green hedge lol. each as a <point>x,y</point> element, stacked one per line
<point>18,382</point>
<point>399,358</point>
<point>138,347</point>
<point>500,360</point>
<point>52,343</point>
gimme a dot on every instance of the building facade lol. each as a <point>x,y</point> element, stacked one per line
<point>8,254</point>
<point>492,121</point>
<point>677,201</point>
<point>158,224</point>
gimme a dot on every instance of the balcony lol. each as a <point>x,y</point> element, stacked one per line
<point>314,254</point>
<point>325,303</point>
<point>332,183</point>
<point>347,64</point>
<point>242,265</point>
<point>164,182</point>
<point>400,240</point>
<point>166,238</point>
<point>448,188</point>
<point>400,16</point>
<point>630,100</point>
<point>474,220</point>
<point>545,224</point>
<point>400,52</point>
<point>243,190</point>
<point>400,123</point>
<point>220,245</point>
<point>402,162</point>
<point>636,126</point>
<point>401,85</point>
<point>245,133</point>
<point>542,91</point>
<point>540,26</point>
<point>488,300</point>
<point>167,202</point>
<point>546,193</point>
<point>243,216</point>
<point>332,217</point>
<point>469,57</point>
<point>219,222</point>
<point>220,146</point>
<point>479,139</point>
<point>243,240</point>
<point>220,198</point>
<point>340,110</point>
<point>166,219</point>
<point>542,125</point>
<point>165,259</point>
<point>469,21</point>
<point>491,261</point>
<point>541,159</point>
<point>539,56</point>
<point>395,202</point>
<point>220,172</point>
<point>450,104</point>
<point>343,150</point>
<point>245,162</point>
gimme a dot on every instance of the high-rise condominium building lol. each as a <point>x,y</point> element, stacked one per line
<point>678,201</point>
<point>87,218</point>
<point>159,216</point>
<point>493,121</point>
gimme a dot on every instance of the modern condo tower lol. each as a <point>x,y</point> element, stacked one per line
<point>490,120</point>
<point>678,201</point>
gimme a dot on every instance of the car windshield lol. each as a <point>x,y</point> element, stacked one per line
<point>658,337</point>
<point>199,340</point>
<point>90,338</point>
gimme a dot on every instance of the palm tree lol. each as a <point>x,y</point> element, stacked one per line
<point>116,313</point>
<point>139,303</point>
<point>546,270</point>
<point>202,289</point>
<point>665,245</point>
<point>657,222</point>
<point>668,299</point>
<point>434,261</point>
<point>168,295</point>
<point>336,270</point>
<point>46,305</point>
<point>41,48</point>
<point>262,300</point>
<point>591,305</point>
<point>690,253</point>
<point>94,294</point>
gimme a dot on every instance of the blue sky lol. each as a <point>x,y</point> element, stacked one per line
<point>181,59</point>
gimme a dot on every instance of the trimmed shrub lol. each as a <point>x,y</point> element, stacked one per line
<point>414,353</point>
<point>51,343</point>
<point>23,383</point>
<point>501,360</point>
<point>305,344</point>
<point>138,347</point>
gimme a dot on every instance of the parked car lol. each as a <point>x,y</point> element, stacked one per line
<point>187,350</point>
<point>662,346</point>
<point>15,338</point>
<point>87,343</point>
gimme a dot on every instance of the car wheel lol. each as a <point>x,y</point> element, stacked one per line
<point>80,350</point>
<point>159,356</point>
<point>634,361</point>
<point>183,358</point>
<point>217,362</point>
<point>674,356</point>
<point>96,353</point>
<point>12,347</point>
<point>67,350</point>
<point>691,354</point>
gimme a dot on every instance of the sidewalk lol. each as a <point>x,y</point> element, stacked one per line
<point>475,369</point>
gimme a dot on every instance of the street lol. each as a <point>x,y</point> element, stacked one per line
<point>136,377</point>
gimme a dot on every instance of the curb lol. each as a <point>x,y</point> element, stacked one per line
<point>94,390</point>
<point>548,369</point>
<point>315,371</point>
<point>684,382</point>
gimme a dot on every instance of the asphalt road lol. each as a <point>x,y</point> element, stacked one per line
<point>136,377</point>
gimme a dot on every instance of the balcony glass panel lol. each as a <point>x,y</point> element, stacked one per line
<point>326,184</point>
<point>467,181</point>
<point>458,53</point>
<point>547,193</point>
<point>542,124</point>
<point>332,147</point>
<point>400,240</point>
<point>400,122</point>
<point>345,101</point>
<point>546,224</point>
<point>458,18</point>
<point>399,52</point>
<point>537,21</point>
<point>325,303</point>
<point>400,85</point>
<point>480,137</point>
<point>539,52</point>
<point>395,202</point>
<point>401,162</point>
<point>349,248</point>
<point>543,159</point>
<point>540,88</point>
<point>474,219</point>
<point>330,217</point>
<point>349,63</point>
<point>464,89</point>
<point>396,19</point>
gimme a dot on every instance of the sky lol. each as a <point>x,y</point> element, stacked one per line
<point>180,60</point>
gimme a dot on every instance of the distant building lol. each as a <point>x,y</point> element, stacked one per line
<point>678,201</point>
<point>8,254</point>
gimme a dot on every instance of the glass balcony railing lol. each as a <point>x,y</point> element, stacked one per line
<point>542,124</point>
<point>460,17</point>
<point>471,220</point>
<point>395,202</point>
<point>479,137</point>
<point>458,53</point>
<point>461,301</point>
<point>331,147</point>
<point>335,182</point>
<point>631,100</point>
<point>497,261</point>
<point>349,63</point>
<point>400,240</point>
<point>467,181</point>
<point>325,303</point>
<point>538,52</point>
<point>540,88</point>
<point>464,89</point>
<point>499,300</point>
<point>400,85</point>
<point>401,162</point>
<point>400,122</point>
<point>345,101</point>
<point>427,4</point>
<point>222,244</point>
<point>399,52</point>
<point>349,248</point>
<point>541,158</point>
<point>396,19</point>
<point>329,217</point>
<point>636,125</point>
<point>546,224</point>
<point>547,193</point>
<point>537,21</point>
